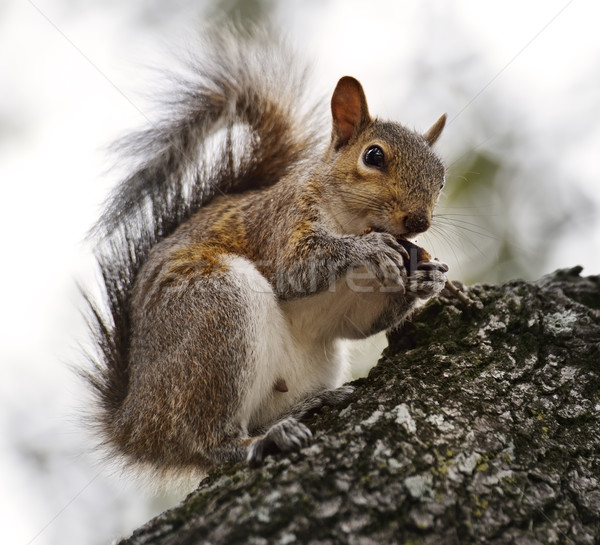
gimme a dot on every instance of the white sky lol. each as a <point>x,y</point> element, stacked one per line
<point>63,69</point>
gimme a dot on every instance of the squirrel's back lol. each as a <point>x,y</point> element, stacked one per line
<point>238,117</point>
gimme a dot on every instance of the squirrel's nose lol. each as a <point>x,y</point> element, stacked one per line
<point>416,222</point>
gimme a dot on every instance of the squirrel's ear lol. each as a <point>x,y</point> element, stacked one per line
<point>435,130</point>
<point>349,110</point>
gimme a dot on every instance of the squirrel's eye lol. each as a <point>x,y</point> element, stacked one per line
<point>374,156</point>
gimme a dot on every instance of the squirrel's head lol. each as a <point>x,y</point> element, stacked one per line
<point>383,176</point>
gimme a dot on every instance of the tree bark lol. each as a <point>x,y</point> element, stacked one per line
<point>480,424</point>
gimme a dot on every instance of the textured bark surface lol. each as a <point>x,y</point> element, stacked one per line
<point>480,424</point>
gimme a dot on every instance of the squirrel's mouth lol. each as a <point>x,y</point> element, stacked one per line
<point>405,237</point>
<point>416,253</point>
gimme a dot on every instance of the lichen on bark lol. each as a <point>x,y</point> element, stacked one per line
<point>480,424</point>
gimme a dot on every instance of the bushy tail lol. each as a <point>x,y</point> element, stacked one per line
<point>236,119</point>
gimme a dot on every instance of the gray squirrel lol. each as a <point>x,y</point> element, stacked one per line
<point>245,246</point>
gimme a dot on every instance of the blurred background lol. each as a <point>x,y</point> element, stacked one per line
<point>520,82</point>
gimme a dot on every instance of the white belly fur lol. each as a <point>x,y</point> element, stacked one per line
<point>282,348</point>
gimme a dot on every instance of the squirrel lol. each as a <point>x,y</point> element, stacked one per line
<point>246,245</point>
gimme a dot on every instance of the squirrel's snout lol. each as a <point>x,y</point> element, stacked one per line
<point>417,222</point>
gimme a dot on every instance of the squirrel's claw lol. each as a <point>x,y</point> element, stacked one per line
<point>428,280</point>
<point>287,435</point>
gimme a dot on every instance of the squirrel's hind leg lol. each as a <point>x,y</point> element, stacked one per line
<point>310,405</point>
<point>289,434</point>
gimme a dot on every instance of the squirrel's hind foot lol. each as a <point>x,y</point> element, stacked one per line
<point>287,435</point>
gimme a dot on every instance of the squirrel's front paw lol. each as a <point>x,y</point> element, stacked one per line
<point>384,259</point>
<point>284,436</point>
<point>428,279</point>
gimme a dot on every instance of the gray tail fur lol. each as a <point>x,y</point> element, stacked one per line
<point>236,120</point>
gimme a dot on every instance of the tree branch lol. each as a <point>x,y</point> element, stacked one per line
<point>479,424</point>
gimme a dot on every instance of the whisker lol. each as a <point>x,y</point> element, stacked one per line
<point>453,242</point>
<point>458,218</point>
<point>443,215</point>
<point>455,231</point>
<point>469,227</point>
<point>458,222</point>
<point>432,233</point>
